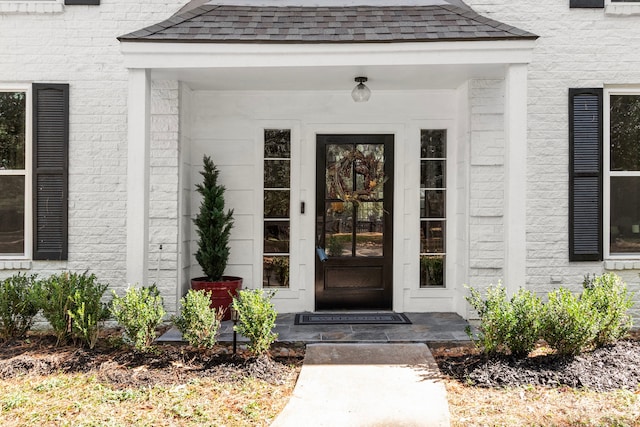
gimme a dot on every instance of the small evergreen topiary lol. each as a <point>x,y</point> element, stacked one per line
<point>213,224</point>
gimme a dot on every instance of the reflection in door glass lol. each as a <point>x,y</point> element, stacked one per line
<point>339,173</point>
<point>354,212</point>
<point>339,229</point>
<point>369,229</point>
<point>369,169</point>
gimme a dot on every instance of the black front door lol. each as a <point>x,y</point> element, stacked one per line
<point>354,222</point>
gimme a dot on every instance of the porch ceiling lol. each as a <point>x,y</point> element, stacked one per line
<point>387,77</point>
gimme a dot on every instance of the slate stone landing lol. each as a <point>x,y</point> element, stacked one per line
<point>424,327</point>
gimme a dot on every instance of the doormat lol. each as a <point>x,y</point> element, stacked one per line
<point>352,319</point>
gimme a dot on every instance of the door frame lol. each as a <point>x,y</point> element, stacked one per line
<point>385,295</point>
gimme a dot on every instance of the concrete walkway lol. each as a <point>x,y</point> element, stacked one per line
<point>367,385</point>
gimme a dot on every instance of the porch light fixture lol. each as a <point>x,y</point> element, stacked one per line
<point>361,93</point>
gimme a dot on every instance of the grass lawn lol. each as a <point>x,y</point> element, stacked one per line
<point>44,385</point>
<point>113,385</point>
<point>528,405</point>
<point>83,400</point>
<point>540,406</point>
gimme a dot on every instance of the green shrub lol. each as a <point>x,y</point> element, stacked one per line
<point>526,321</point>
<point>610,301</point>
<point>87,310</point>
<point>139,312</point>
<point>569,324</point>
<point>68,298</point>
<point>198,322</point>
<point>506,324</point>
<point>494,324</point>
<point>256,319</point>
<point>54,298</point>
<point>18,305</point>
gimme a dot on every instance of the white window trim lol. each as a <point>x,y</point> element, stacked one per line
<point>622,8</point>
<point>451,187</point>
<point>444,219</point>
<point>28,172</point>
<point>295,279</point>
<point>607,174</point>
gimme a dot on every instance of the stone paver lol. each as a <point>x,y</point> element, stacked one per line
<point>425,327</point>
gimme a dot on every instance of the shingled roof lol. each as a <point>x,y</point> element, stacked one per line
<point>211,23</point>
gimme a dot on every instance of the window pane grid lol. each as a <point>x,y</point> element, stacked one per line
<point>277,201</point>
<point>433,216</point>
<point>624,174</point>
<point>13,173</point>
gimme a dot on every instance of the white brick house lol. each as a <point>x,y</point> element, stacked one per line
<point>460,159</point>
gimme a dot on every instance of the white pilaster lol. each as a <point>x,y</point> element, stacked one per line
<point>138,176</point>
<point>515,101</point>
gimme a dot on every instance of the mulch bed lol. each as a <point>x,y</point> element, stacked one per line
<point>124,367</point>
<point>609,368</point>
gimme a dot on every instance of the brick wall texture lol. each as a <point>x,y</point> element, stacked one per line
<point>576,48</point>
<point>77,45</point>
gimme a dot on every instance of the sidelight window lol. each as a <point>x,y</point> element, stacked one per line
<point>277,204</point>
<point>433,215</point>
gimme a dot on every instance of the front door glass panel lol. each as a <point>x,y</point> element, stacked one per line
<point>355,195</point>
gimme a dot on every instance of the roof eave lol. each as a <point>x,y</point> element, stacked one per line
<point>154,55</point>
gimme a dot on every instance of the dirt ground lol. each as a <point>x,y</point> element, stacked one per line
<point>123,367</point>
<point>610,368</point>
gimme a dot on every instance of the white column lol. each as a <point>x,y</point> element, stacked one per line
<point>515,214</point>
<point>138,176</point>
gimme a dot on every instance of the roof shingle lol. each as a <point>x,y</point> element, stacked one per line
<point>334,24</point>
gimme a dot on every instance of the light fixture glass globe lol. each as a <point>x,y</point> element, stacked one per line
<point>361,93</point>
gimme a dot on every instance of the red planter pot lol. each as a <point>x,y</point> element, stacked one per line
<point>221,292</point>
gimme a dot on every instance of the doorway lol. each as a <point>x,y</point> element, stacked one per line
<point>354,222</point>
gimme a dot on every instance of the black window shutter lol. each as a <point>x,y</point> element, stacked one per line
<point>585,174</point>
<point>81,2</point>
<point>592,4</point>
<point>50,165</point>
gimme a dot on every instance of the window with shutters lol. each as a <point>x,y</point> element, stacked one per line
<point>622,173</point>
<point>585,174</point>
<point>14,173</point>
<point>34,140</point>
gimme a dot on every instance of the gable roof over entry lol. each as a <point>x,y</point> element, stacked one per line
<point>284,22</point>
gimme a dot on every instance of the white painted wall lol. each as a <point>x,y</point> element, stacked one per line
<point>228,126</point>
<point>576,48</point>
<point>77,45</point>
